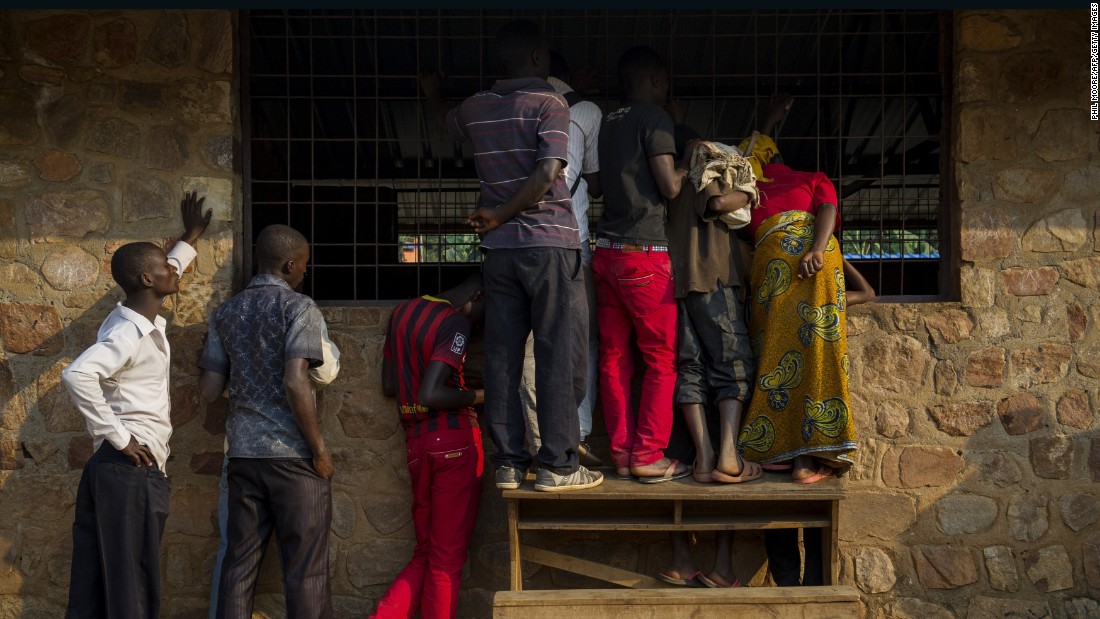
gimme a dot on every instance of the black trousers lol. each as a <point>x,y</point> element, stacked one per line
<point>284,495</point>
<point>120,513</point>
<point>784,560</point>
<point>540,290</point>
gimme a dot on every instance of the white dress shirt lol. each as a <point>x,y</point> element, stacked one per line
<point>120,383</point>
<point>583,156</point>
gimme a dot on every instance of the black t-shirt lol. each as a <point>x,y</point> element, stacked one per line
<point>634,210</point>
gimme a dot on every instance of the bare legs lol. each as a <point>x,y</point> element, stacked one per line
<point>725,465</point>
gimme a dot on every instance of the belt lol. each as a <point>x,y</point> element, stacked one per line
<point>606,243</point>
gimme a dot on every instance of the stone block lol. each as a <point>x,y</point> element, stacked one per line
<point>982,607</point>
<point>113,136</point>
<point>963,514</point>
<point>985,367</point>
<point>169,44</point>
<point>1029,282</point>
<point>375,561</point>
<point>876,515</point>
<point>58,411</point>
<point>18,119</point>
<point>218,153</point>
<point>165,148</point>
<point>944,567</point>
<point>1082,608</point>
<point>80,451</point>
<point>70,268</point>
<point>185,404</point>
<point>1052,456</point>
<point>1079,510</point>
<point>218,193</point>
<point>142,96</point>
<point>988,33</point>
<point>41,76</point>
<point>204,101</point>
<point>1023,185</point>
<point>1049,568</point>
<point>1021,413</point>
<point>1062,135</point>
<point>1042,364</point>
<point>388,512</point>
<point>1073,409</point>
<point>962,418</point>
<point>207,463</point>
<point>913,608</point>
<point>191,509</point>
<point>1077,321</point>
<point>101,173</point>
<point>54,215</point>
<point>1090,553</point>
<point>979,286</point>
<point>1001,565</point>
<point>1024,76</point>
<point>59,37</point>
<point>64,121</point>
<point>998,468</point>
<point>11,455</point>
<point>1063,231</point>
<point>215,45</point>
<point>891,419</point>
<point>1094,459</point>
<point>920,466</point>
<point>1084,272</point>
<point>946,378</point>
<point>985,133</point>
<point>114,44</point>
<point>1028,518</point>
<point>895,363</point>
<point>57,166</point>
<point>12,413</point>
<point>344,512</point>
<point>34,329</point>
<point>951,326</point>
<point>13,173</point>
<point>41,451</point>
<point>973,81</point>
<point>148,197</point>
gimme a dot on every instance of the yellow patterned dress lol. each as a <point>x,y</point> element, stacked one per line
<point>800,403</point>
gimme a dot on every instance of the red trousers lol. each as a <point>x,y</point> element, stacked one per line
<point>445,467</point>
<point>635,303</point>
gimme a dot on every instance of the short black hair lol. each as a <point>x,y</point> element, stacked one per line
<point>278,244</point>
<point>559,68</point>
<point>637,65</point>
<point>130,261</point>
<point>516,41</point>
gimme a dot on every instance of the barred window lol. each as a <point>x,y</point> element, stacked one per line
<point>340,145</point>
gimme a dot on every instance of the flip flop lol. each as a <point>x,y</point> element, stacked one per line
<point>777,466</point>
<point>715,585</point>
<point>823,471</point>
<point>669,474</point>
<point>742,477</point>
<point>619,475</point>
<point>694,580</point>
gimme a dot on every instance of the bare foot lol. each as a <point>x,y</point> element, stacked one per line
<point>655,469</point>
<point>804,466</point>
<point>722,581</point>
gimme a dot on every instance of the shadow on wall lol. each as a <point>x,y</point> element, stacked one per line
<point>55,297</point>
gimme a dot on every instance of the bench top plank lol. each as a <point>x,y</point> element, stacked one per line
<point>677,596</point>
<point>770,487</point>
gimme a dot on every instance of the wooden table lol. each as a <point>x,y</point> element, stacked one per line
<point>772,502</point>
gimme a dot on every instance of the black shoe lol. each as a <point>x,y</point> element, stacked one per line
<point>587,458</point>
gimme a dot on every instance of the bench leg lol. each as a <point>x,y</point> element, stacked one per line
<point>515,562</point>
<point>830,546</point>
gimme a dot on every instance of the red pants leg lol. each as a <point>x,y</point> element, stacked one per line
<point>616,357</point>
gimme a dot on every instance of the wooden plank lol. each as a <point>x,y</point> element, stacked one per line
<point>771,487</point>
<point>717,522</point>
<point>831,542</point>
<point>515,564</point>
<point>680,595</point>
<point>591,569</point>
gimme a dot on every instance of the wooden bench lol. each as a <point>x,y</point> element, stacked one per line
<point>772,502</point>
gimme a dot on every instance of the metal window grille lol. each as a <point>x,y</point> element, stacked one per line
<point>340,146</point>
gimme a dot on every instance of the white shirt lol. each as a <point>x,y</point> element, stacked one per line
<point>120,383</point>
<point>582,156</point>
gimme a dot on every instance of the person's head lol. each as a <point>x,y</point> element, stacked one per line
<point>559,68</point>
<point>144,266</point>
<point>643,75</point>
<point>523,49</point>
<point>283,252</point>
<point>469,298</point>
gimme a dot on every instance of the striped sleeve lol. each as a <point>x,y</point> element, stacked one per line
<point>553,130</point>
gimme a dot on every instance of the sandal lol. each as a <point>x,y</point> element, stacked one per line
<point>714,584</point>
<point>823,471</point>
<point>695,580</point>
<point>777,466</point>
<point>747,473</point>
<point>670,474</point>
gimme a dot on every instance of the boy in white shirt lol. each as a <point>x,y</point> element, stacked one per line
<point>120,385</point>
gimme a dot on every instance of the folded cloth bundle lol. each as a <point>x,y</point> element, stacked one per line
<point>714,160</point>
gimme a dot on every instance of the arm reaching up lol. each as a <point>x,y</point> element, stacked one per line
<point>859,289</point>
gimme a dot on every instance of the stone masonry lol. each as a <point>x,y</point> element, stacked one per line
<point>975,489</point>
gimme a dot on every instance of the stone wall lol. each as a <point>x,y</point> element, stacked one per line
<point>974,493</point>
